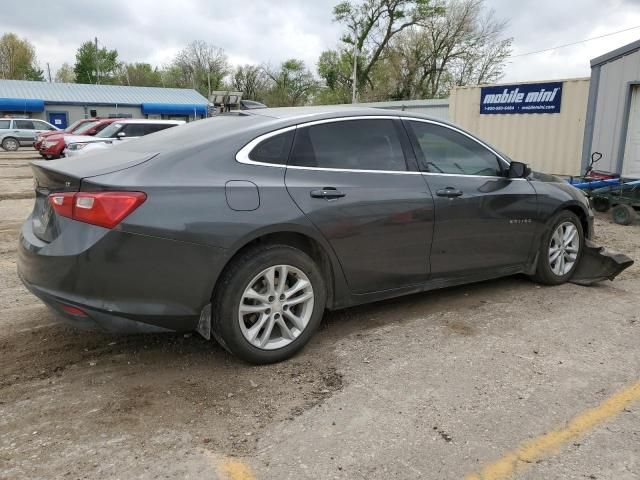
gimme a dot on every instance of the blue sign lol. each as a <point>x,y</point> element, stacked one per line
<point>525,98</point>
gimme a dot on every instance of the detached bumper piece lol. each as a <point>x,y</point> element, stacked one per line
<point>598,264</point>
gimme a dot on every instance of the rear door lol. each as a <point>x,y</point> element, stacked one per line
<point>351,178</point>
<point>483,221</point>
<point>25,131</point>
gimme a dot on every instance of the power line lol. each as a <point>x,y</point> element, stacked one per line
<point>575,43</point>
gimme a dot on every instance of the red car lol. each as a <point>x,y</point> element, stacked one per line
<point>52,146</point>
<point>70,129</point>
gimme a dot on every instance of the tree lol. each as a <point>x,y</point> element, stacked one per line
<point>18,59</point>
<point>96,65</point>
<point>201,66</point>
<point>252,81</point>
<point>292,84</point>
<point>140,75</point>
<point>65,74</point>
<point>372,24</point>
<point>335,68</point>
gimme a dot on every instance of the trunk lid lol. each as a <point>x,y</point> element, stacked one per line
<point>66,175</point>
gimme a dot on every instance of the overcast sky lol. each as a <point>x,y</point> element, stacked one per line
<point>268,31</point>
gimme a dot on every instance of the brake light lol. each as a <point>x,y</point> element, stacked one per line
<point>105,209</point>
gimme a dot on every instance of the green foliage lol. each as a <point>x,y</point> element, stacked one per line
<point>292,84</point>
<point>18,59</point>
<point>91,62</point>
<point>140,75</point>
<point>201,66</point>
<point>252,81</point>
<point>65,74</point>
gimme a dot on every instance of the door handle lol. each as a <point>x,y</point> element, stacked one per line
<point>328,193</point>
<point>449,192</point>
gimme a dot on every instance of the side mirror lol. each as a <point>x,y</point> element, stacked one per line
<point>121,135</point>
<point>518,170</point>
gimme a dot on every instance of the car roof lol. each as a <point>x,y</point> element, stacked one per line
<point>147,121</point>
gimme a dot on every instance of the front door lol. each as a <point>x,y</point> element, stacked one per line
<point>350,177</point>
<point>58,119</point>
<point>483,221</point>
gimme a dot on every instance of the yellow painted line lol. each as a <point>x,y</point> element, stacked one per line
<point>532,450</point>
<point>231,469</point>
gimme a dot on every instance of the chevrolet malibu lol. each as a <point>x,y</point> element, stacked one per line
<point>247,226</point>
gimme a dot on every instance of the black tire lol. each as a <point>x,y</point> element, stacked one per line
<point>544,274</point>
<point>600,204</point>
<point>225,324</point>
<point>10,144</point>
<point>623,214</point>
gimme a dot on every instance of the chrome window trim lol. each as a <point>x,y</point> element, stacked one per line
<point>243,154</point>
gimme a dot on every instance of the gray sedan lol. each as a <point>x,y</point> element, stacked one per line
<point>247,226</point>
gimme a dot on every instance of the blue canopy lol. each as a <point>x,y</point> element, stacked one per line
<point>187,109</point>
<point>21,105</point>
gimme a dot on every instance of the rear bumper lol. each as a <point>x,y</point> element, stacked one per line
<point>123,282</point>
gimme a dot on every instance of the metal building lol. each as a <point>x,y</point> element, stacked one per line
<point>613,112</point>
<point>63,103</point>
<point>539,123</point>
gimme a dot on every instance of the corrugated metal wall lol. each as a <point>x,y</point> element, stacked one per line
<point>550,142</point>
<point>613,91</point>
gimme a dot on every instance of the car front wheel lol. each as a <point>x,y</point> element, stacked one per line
<point>560,250</point>
<point>268,304</point>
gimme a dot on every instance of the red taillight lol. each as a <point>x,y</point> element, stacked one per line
<point>105,209</point>
<point>75,311</point>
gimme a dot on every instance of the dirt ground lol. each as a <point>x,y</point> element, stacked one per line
<point>436,385</point>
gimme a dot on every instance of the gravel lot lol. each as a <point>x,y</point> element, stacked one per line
<point>435,385</point>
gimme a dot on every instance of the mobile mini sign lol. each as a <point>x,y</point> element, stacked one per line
<point>526,98</point>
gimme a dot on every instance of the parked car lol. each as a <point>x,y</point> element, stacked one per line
<point>54,145</point>
<point>70,129</point>
<point>248,226</point>
<point>120,131</point>
<point>21,132</point>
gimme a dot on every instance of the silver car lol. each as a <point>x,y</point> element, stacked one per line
<point>21,132</point>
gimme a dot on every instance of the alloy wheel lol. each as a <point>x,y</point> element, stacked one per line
<point>10,145</point>
<point>564,248</point>
<point>276,307</point>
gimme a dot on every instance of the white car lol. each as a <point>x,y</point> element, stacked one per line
<point>119,131</point>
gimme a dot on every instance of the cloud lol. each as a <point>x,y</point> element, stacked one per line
<point>265,31</point>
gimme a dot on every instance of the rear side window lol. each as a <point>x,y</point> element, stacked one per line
<point>134,129</point>
<point>24,124</point>
<point>152,128</point>
<point>443,150</point>
<point>274,149</point>
<point>5,123</point>
<point>350,144</point>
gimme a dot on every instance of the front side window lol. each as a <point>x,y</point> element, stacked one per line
<point>368,144</point>
<point>24,124</point>
<point>157,127</point>
<point>443,150</point>
<point>42,125</point>
<point>274,149</point>
<point>110,131</point>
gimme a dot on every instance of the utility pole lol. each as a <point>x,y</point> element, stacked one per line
<point>354,84</point>
<point>49,71</point>
<point>97,63</point>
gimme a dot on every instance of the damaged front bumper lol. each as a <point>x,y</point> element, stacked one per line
<point>598,264</point>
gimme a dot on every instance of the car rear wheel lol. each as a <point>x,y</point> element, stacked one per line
<point>560,249</point>
<point>10,144</point>
<point>268,304</point>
